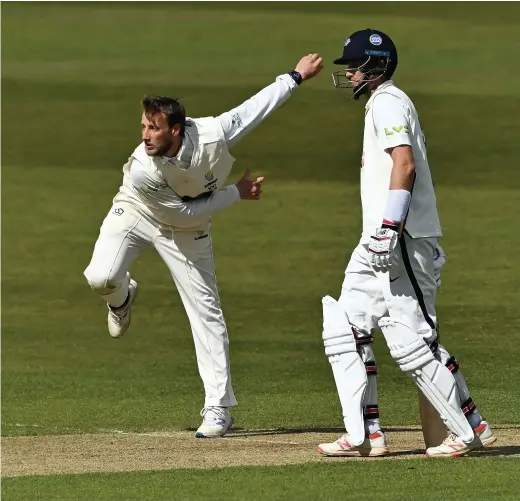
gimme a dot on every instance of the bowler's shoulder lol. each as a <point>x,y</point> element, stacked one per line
<point>142,157</point>
<point>204,129</point>
<point>139,151</point>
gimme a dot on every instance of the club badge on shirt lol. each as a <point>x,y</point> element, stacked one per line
<point>212,185</point>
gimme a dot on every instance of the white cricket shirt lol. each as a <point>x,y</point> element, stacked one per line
<point>166,188</point>
<point>391,120</point>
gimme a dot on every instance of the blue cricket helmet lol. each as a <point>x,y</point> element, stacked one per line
<point>375,55</point>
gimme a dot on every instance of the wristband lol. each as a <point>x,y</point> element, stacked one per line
<point>397,206</point>
<point>296,76</point>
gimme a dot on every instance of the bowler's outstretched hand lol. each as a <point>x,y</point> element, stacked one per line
<point>248,188</point>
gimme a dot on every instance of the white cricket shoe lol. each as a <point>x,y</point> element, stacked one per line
<point>374,445</point>
<point>453,446</point>
<point>216,422</point>
<point>119,319</point>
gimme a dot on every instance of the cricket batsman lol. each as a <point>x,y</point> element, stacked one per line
<point>390,282</point>
<point>173,183</point>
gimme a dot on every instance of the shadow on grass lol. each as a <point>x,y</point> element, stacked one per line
<point>493,451</point>
<point>241,432</point>
<point>236,432</point>
<point>506,450</point>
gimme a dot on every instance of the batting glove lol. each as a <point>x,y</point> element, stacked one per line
<point>382,249</point>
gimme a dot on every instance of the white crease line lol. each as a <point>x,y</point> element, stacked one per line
<point>21,425</point>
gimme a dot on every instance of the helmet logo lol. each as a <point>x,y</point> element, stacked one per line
<point>375,39</point>
<point>347,42</point>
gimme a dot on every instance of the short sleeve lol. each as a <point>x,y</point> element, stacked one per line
<point>391,121</point>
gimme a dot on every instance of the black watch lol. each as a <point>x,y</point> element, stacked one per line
<point>295,75</point>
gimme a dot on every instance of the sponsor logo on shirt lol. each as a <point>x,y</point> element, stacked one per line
<point>236,121</point>
<point>398,129</point>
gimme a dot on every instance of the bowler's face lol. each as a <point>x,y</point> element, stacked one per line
<point>157,134</point>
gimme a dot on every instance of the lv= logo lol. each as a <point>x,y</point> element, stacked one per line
<point>398,129</point>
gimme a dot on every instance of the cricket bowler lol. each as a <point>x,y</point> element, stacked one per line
<point>173,183</point>
<point>390,280</point>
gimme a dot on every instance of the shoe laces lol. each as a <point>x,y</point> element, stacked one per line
<point>118,313</point>
<point>343,439</point>
<point>213,414</point>
<point>451,438</point>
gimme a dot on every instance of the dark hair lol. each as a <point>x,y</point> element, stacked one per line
<point>171,107</point>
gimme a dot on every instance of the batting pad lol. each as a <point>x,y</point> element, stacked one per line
<point>348,368</point>
<point>434,379</point>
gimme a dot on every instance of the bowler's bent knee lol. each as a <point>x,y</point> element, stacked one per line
<point>102,282</point>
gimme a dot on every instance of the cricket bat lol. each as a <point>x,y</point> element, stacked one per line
<point>433,428</point>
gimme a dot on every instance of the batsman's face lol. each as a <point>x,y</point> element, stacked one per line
<point>157,135</point>
<point>353,74</point>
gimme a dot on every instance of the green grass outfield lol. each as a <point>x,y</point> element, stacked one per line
<point>72,79</point>
<point>391,481</point>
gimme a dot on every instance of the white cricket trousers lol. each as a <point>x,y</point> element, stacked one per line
<point>125,232</point>
<point>407,292</point>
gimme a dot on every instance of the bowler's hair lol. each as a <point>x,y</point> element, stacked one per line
<point>171,107</point>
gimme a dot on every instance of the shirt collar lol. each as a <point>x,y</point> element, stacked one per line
<point>380,87</point>
<point>175,159</point>
<point>183,156</point>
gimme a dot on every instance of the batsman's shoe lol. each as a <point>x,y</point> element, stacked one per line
<point>119,318</point>
<point>374,445</point>
<point>216,422</point>
<point>453,446</point>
